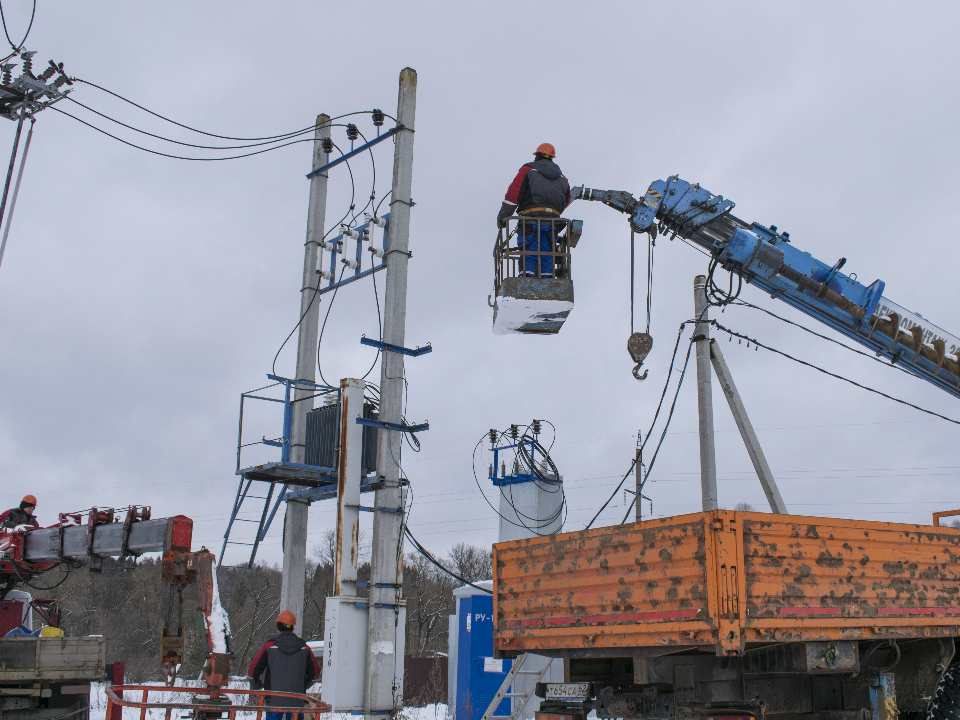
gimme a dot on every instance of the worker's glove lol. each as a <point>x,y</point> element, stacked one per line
<point>506,210</point>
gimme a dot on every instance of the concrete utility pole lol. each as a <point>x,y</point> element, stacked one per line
<point>386,561</point>
<point>295,517</point>
<point>746,431</point>
<point>708,458</point>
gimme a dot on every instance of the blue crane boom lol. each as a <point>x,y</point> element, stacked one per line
<point>764,257</point>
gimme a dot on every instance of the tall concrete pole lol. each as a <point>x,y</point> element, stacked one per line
<point>386,561</point>
<point>754,450</point>
<point>708,458</point>
<point>295,518</point>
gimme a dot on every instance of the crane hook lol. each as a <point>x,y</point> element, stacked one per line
<point>639,346</point>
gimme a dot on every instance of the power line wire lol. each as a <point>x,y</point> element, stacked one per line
<point>423,551</point>
<point>18,48</point>
<point>733,333</point>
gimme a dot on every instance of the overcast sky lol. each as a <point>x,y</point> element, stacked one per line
<point>140,295</point>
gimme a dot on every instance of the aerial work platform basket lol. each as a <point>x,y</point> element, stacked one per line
<point>533,289</point>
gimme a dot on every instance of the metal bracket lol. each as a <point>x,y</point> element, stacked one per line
<point>387,347</point>
<point>379,139</point>
<point>399,427</point>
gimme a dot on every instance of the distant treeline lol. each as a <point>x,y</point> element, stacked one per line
<point>127,604</point>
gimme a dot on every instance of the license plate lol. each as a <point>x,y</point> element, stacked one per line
<point>567,691</point>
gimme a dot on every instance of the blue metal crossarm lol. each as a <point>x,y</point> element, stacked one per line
<point>299,383</point>
<point>399,427</point>
<point>389,509</point>
<point>353,153</point>
<point>387,347</point>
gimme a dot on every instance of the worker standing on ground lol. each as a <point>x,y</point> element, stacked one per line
<point>20,516</point>
<point>539,190</point>
<point>286,664</point>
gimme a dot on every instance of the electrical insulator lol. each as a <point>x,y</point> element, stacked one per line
<point>365,236</point>
<point>352,264</point>
<point>325,274</point>
<point>536,427</point>
<point>327,145</point>
<point>379,222</point>
<point>348,232</point>
<point>493,436</point>
<point>377,117</point>
<point>516,468</point>
<point>503,468</point>
<point>377,252</point>
<point>330,245</point>
<point>61,81</point>
<point>352,132</point>
<point>48,73</point>
<point>513,431</point>
<point>27,58</point>
<point>491,471</point>
<point>7,74</point>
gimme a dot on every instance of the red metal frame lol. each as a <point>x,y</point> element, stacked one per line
<point>116,701</point>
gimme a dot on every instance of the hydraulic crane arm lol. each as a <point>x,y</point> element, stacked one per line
<point>764,257</point>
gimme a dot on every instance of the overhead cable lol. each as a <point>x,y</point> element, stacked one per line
<point>423,551</point>
<point>733,333</point>
<point>18,48</point>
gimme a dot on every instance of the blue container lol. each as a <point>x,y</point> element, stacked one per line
<point>475,675</point>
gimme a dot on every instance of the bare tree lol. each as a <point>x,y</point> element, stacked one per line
<point>744,507</point>
<point>470,562</point>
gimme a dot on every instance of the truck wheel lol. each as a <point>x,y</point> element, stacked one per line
<point>945,703</point>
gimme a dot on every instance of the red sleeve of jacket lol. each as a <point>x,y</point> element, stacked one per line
<point>316,667</point>
<point>568,192</point>
<point>513,192</point>
<point>259,662</point>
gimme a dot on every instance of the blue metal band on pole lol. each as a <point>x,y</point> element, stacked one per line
<point>387,347</point>
<point>357,151</point>
<point>399,427</point>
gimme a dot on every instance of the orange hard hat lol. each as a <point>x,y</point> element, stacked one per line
<point>287,618</point>
<point>546,149</point>
<point>29,500</point>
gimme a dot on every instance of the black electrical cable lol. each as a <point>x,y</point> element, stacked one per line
<point>871,356</point>
<point>376,295</point>
<point>662,435</point>
<point>539,523</point>
<point>201,147</point>
<point>180,157</point>
<point>213,135</point>
<point>324,325</point>
<point>733,333</point>
<point>656,414</point>
<point>423,551</point>
<point>17,48</point>
<point>317,290</point>
<point>716,295</point>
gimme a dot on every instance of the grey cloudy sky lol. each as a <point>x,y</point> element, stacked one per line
<point>140,295</point>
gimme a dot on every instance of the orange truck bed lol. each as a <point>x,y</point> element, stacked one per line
<point>723,579</point>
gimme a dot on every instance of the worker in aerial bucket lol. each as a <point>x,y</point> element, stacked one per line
<point>538,191</point>
<point>22,515</point>
<point>286,664</point>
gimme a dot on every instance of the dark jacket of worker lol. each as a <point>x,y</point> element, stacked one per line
<point>17,516</point>
<point>539,184</point>
<point>284,664</point>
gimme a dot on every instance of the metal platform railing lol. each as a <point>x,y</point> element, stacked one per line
<point>541,248</point>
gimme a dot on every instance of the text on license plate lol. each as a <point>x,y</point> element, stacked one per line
<point>567,690</point>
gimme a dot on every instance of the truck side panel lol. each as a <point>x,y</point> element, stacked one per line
<point>814,578</point>
<point>619,587</point>
<point>39,659</point>
<point>724,579</point>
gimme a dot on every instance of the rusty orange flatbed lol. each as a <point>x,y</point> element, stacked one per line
<point>724,579</point>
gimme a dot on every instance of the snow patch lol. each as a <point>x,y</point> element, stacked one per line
<point>511,314</point>
<point>219,622</point>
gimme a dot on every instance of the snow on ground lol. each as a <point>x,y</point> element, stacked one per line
<point>98,706</point>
